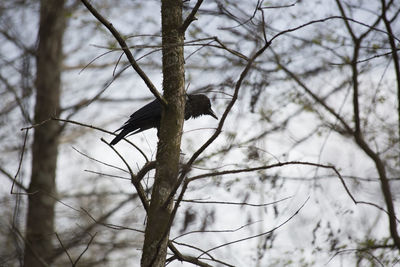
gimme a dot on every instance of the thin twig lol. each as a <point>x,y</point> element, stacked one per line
<point>282,6</point>
<point>86,248</point>
<point>108,175</point>
<point>98,161</point>
<point>112,226</point>
<point>87,126</point>
<point>262,234</point>
<point>235,203</point>
<point>327,19</point>
<point>216,231</point>
<point>65,250</point>
<point>19,166</point>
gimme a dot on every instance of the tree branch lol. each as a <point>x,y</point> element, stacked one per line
<point>126,50</point>
<point>134,180</point>
<point>182,257</point>
<point>191,16</point>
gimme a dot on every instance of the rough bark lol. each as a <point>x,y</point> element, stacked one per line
<point>157,232</point>
<point>42,188</point>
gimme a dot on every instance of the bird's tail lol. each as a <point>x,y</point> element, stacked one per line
<point>119,137</point>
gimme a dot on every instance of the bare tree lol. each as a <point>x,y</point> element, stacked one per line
<point>42,188</point>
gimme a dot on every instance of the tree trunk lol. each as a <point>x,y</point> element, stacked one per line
<point>42,188</point>
<point>168,151</point>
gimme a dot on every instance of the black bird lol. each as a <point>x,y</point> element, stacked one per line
<point>149,116</point>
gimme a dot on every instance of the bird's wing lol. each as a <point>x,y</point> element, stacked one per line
<point>145,118</point>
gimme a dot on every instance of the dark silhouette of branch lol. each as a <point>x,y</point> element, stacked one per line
<point>126,50</point>
<point>17,98</point>
<point>189,19</point>
<point>179,256</point>
<point>87,126</point>
<point>211,258</point>
<point>86,248</point>
<point>151,165</point>
<point>230,15</point>
<point>233,52</point>
<point>394,54</point>
<point>261,234</point>
<point>235,203</point>
<point>318,99</point>
<point>280,164</point>
<point>15,182</point>
<point>135,181</point>
<point>358,135</point>
<point>327,19</point>
<point>65,250</point>
<point>99,221</point>
<point>215,231</point>
<point>356,251</point>
<point>12,179</point>
<point>282,6</point>
<point>99,161</point>
<point>86,102</point>
<point>109,225</point>
<point>348,131</point>
<point>264,167</point>
<point>367,59</point>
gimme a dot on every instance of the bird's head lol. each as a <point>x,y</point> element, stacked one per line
<point>197,105</point>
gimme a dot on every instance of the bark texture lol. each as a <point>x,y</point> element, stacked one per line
<point>42,188</point>
<point>168,151</point>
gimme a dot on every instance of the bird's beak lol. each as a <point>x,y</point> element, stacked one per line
<point>212,114</point>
